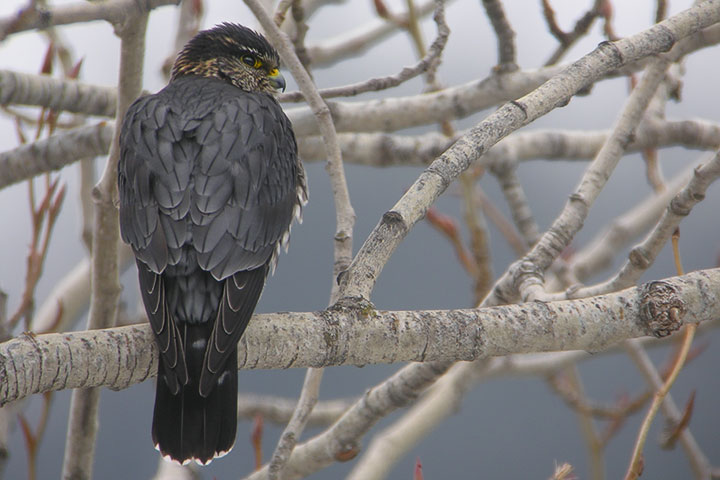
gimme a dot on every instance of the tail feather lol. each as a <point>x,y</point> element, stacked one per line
<point>188,426</point>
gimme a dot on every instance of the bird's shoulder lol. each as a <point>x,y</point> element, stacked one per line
<point>205,108</point>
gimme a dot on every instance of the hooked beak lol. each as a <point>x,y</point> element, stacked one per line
<point>277,81</point>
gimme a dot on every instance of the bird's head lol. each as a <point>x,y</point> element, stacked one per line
<point>232,53</point>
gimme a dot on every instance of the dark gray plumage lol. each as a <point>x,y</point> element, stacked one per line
<point>209,182</point>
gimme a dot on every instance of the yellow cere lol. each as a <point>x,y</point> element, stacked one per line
<point>274,72</point>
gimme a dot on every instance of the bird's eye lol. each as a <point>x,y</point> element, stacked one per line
<point>252,61</point>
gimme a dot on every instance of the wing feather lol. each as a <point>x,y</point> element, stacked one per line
<point>169,341</point>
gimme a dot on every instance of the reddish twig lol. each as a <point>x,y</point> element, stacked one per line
<point>673,434</point>
<point>43,219</point>
<point>447,226</point>
<point>418,473</point>
<point>505,226</point>
<point>551,21</point>
<point>33,438</point>
<point>256,440</point>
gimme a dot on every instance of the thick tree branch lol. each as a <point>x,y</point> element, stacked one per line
<point>55,152</point>
<point>123,356</point>
<point>340,442</point>
<point>57,94</point>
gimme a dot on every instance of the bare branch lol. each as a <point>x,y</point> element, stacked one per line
<point>188,24</point>
<point>360,279</point>
<point>280,410</point>
<point>568,223</point>
<point>431,59</point>
<point>380,149</point>
<point>54,153</point>
<point>345,216</point>
<point>358,40</point>
<point>698,461</point>
<point>122,356</point>
<point>105,286</point>
<point>57,94</point>
<point>517,201</point>
<point>117,12</point>
<point>643,255</point>
<point>600,252</point>
<point>296,425</point>
<point>505,36</point>
<point>581,28</point>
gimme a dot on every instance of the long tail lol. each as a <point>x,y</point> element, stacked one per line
<point>188,426</point>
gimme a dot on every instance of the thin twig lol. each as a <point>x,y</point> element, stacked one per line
<point>505,36</point>
<point>430,60</point>
<point>279,410</point>
<point>43,217</point>
<point>362,38</point>
<point>698,460</point>
<point>568,392</point>
<point>587,427</point>
<point>479,237</point>
<point>567,40</point>
<point>634,469</point>
<point>305,404</point>
<point>447,226</point>
<point>660,11</point>
<point>516,199</point>
<point>507,230</point>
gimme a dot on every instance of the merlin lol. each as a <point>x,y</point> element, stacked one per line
<point>209,183</point>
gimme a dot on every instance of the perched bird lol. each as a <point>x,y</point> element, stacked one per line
<point>209,182</point>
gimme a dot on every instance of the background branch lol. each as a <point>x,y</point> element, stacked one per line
<point>105,286</point>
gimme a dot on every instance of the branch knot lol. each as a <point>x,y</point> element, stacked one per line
<point>661,308</point>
